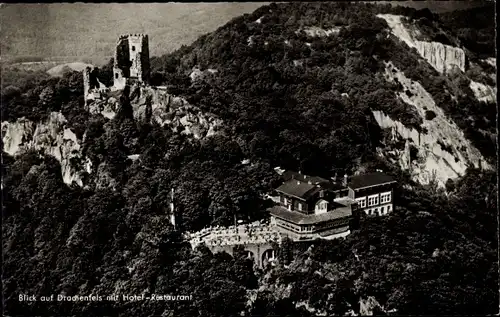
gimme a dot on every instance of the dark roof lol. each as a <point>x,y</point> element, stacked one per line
<point>370,179</point>
<point>303,219</point>
<point>287,175</point>
<point>298,189</point>
<point>331,186</point>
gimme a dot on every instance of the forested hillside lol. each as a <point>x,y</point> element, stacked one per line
<point>289,94</point>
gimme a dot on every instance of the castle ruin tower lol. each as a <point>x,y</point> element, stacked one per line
<point>131,60</point>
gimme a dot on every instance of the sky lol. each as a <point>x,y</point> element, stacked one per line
<point>88,32</point>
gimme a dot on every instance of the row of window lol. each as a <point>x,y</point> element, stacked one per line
<point>374,200</point>
<point>335,223</point>
<point>379,211</point>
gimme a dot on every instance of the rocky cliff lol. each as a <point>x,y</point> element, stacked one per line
<point>441,57</point>
<point>443,152</point>
<point>52,137</point>
<point>154,104</point>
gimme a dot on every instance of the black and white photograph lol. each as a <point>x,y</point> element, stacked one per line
<point>249,159</point>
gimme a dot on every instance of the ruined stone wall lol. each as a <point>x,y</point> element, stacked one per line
<point>121,69</point>
<point>91,84</point>
<point>86,83</point>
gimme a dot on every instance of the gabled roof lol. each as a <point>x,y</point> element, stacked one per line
<point>298,189</point>
<point>369,180</point>
<point>303,219</point>
<point>321,201</point>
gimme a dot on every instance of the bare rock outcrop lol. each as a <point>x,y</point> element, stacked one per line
<point>106,105</point>
<point>151,104</point>
<point>443,152</point>
<point>367,306</point>
<point>154,104</point>
<point>314,31</point>
<point>52,137</point>
<point>442,57</point>
<point>484,92</point>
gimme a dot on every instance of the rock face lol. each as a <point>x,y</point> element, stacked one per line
<point>441,57</point>
<point>52,137</point>
<point>198,75</point>
<point>483,92</point>
<point>443,152</point>
<point>367,306</point>
<point>153,104</point>
<point>106,105</point>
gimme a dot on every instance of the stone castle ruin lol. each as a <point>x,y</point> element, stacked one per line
<point>93,89</point>
<point>131,73</point>
<point>131,60</point>
<point>131,65</point>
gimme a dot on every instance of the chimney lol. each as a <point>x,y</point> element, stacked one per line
<point>344,183</point>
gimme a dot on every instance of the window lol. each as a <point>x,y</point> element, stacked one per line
<point>373,200</point>
<point>385,197</point>
<point>361,202</point>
